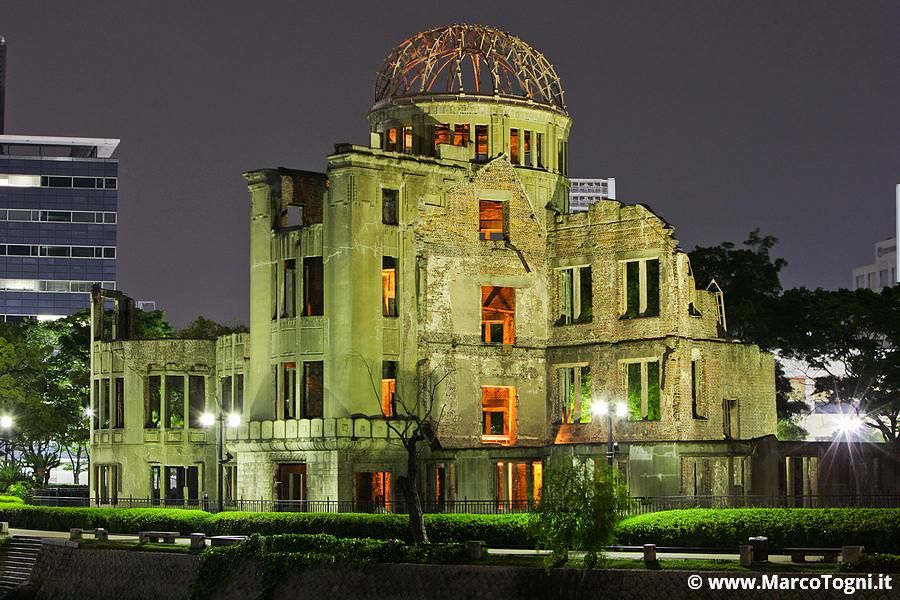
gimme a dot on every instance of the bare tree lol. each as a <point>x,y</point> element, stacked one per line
<point>412,420</point>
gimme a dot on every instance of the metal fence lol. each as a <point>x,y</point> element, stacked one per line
<point>635,506</point>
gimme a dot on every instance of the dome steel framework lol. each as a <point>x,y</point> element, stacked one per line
<point>468,59</point>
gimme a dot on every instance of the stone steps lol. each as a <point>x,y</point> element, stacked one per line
<point>17,561</point>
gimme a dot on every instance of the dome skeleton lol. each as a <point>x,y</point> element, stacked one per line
<point>463,52</point>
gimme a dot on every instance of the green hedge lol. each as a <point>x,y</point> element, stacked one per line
<point>498,530</point>
<point>11,500</point>
<point>878,529</point>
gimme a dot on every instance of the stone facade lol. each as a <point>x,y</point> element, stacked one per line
<point>445,251</point>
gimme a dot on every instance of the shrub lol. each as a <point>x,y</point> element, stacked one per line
<point>878,529</point>
<point>874,563</point>
<point>18,490</point>
<point>11,500</point>
<point>578,510</point>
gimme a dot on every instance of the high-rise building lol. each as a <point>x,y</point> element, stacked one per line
<point>585,192</point>
<point>58,202</point>
<point>885,271</point>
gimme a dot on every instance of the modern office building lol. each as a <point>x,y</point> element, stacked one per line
<point>881,273</point>
<point>58,203</point>
<point>585,192</point>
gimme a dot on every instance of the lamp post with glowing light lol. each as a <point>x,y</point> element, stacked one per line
<point>208,420</point>
<point>602,408</point>
<point>6,424</point>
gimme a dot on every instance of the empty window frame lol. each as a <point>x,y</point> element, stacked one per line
<point>389,286</point>
<point>640,288</point>
<point>95,406</point>
<point>289,297</point>
<point>119,402</point>
<point>491,220</point>
<point>514,146</point>
<point>461,134</point>
<point>182,484</point>
<point>642,390</point>
<point>498,315</point>
<point>388,387</point>
<point>289,390</point>
<point>389,201</point>
<point>313,390</point>
<point>408,140</point>
<point>152,401</point>
<point>441,135</point>
<point>498,414</point>
<point>526,145</point>
<point>226,395</point>
<point>313,286</point>
<point>698,408</point>
<point>481,143</point>
<point>539,148</point>
<point>174,402</point>
<point>576,295</point>
<point>196,399</point>
<point>233,393</point>
<point>730,422</point>
<point>563,157</point>
<point>105,403</point>
<point>575,394</point>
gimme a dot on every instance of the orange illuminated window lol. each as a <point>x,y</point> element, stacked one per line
<point>388,387</point>
<point>373,491</point>
<point>513,479</point>
<point>514,146</point>
<point>390,141</point>
<point>490,220</point>
<point>389,286</point>
<point>407,139</point>
<point>461,135</point>
<point>481,143</point>
<point>441,134</point>
<point>498,415</point>
<point>498,315</point>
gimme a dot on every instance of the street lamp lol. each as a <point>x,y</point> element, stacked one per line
<point>6,423</point>
<point>221,419</point>
<point>602,408</point>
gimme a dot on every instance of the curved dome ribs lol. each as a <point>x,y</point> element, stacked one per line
<point>470,59</point>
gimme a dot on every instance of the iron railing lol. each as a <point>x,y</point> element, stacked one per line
<point>635,505</point>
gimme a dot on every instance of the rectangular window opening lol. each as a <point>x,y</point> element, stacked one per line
<point>461,134</point>
<point>491,221</point>
<point>481,143</point>
<point>389,286</point>
<point>388,387</point>
<point>526,138</point>
<point>576,394</point>
<point>196,399</point>
<point>152,397</point>
<point>498,314</point>
<point>289,389</point>
<point>576,295</point>
<point>313,286</point>
<point>498,415</point>
<point>441,135</point>
<point>313,390</point>
<point>642,390</point>
<point>514,146</point>
<point>641,288</point>
<point>389,206</point>
<point>174,402</point>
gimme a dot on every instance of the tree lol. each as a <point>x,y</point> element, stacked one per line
<point>854,338</point>
<point>206,329</point>
<point>579,508</point>
<point>750,279</point>
<point>413,422</point>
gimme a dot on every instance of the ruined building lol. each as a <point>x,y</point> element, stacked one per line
<point>443,256</point>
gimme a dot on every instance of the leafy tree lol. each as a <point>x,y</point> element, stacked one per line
<point>578,510</point>
<point>206,329</point>
<point>750,279</point>
<point>854,338</point>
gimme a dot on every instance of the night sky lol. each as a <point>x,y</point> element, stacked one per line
<point>722,116</point>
